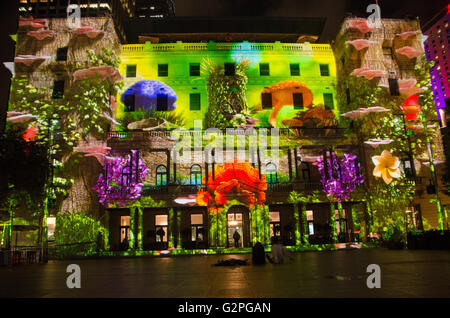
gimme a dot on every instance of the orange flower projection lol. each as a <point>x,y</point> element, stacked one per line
<point>233,181</point>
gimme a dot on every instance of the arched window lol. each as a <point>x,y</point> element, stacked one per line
<point>161,175</point>
<point>271,173</point>
<point>196,175</point>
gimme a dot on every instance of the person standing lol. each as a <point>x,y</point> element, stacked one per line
<point>236,237</point>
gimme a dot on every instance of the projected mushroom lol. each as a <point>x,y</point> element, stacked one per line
<point>28,60</point>
<point>21,118</point>
<point>89,32</point>
<point>282,95</point>
<point>361,112</point>
<point>98,72</point>
<point>368,73</point>
<point>360,44</point>
<point>407,34</point>
<point>34,23</point>
<point>98,152</point>
<point>360,24</point>
<point>409,52</point>
<point>150,95</point>
<point>190,200</point>
<point>376,142</point>
<point>42,34</point>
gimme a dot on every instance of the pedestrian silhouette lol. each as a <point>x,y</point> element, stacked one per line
<point>258,254</point>
<point>236,237</point>
<point>278,252</point>
<point>161,234</point>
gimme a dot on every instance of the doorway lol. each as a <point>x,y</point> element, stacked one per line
<point>235,224</point>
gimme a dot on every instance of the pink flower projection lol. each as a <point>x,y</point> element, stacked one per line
<point>98,152</point>
<point>374,143</point>
<point>42,34</point>
<point>407,34</point>
<point>112,102</point>
<point>122,180</point>
<point>360,43</point>
<point>15,117</point>
<point>409,52</point>
<point>103,72</point>
<point>361,112</point>
<point>362,25</point>
<point>28,60</point>
<point>34,23</point>
<point>89,32</point>
<point>190,200</point>
<point>368,73</point>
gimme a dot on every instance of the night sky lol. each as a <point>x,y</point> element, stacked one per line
<point>333,10</point>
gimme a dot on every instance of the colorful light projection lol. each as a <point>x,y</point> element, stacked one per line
<point>386,166</point>
<point>374,143</point>
<point>42,34</point>
<point>98,72</point>
<point>89,32</point>
<point>368,73</point>
<point>282,95</point>
<point>360,44</point>
<point>98,152</point>
<point>16,117</point>
<point>122,180</point>
<point>34,23</point>
<point>361,112</point>
<point>30,133</point>
<point>405,35</point>
<point>411,108</point>
<point>146,95</point>
<point>409,52</point>
<point>362,25</point>
<point>339,179</point>
<point>29,60</point>
<point>233,181</point>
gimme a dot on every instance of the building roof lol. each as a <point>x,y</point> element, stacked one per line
<point>228,29</point>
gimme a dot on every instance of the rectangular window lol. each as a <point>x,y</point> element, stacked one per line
<point>194,69</point>
<point>194,101</point>
<point>129,103</point>
<point>131,70</point>
<point>324,70</point>
<point>264,69</point>
<point>295,69</point>
<point>51,223</point>
<point>266,100</point>
<point>61,53</point>
<point>161,228</point>
<point>197,229</point>
<point>343,220</point>
<point>58,89</point>
<point>124,228</point>
<point>328,100</point>
<point>298,100</point>
<point>407,168</point>
<point>163,70</point>
<point>230,69</point>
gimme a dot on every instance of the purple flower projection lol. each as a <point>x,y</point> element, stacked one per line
<point>340,179</point>
<point>122,180</point>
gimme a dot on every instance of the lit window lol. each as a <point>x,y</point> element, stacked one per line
<point>275,224</point>
<point>161,175</point>
<point>310,221</point>
<point>196,175</point>
<point>161,228</point>
<point>51,223</point>
<point>197,229</point>
<point>271,173</point>
<point>298,100</point>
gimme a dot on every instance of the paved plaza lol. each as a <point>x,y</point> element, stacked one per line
<point>309,274</point>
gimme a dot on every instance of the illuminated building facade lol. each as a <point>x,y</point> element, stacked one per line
<point>319,189</point>
<point>437,48</point>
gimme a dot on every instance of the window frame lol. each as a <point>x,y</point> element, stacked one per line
<point>295,67</point>
<point>322,71</point>
<point>161,176</point>
<point>262,70</point>
<point>191,102</point>
<point>163,72</point>
<point>129,72</point>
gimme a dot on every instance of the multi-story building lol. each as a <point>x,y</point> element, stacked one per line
<point>437,48</point>
<point>254,81</point>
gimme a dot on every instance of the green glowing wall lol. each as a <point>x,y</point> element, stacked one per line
<point>279,56</point>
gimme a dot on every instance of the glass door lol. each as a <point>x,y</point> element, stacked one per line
<point>235,230</point>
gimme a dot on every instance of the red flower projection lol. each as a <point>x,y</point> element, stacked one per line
<point>233,180</point>
<point>411,107</point>
<point>30,134</point>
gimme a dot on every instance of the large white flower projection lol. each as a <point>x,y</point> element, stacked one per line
<point>386,166</point>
